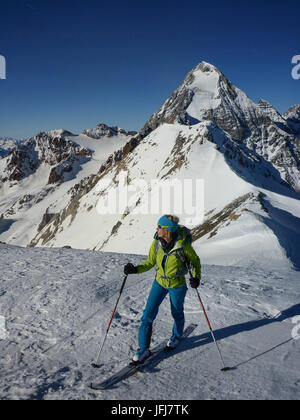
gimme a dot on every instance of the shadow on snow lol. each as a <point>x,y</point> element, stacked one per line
<point>223,333</point>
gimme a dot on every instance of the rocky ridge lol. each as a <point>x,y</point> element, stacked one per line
<point>103,130</point>
<point>56,152</point>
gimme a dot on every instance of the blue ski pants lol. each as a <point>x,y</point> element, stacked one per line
<point>156,296</point>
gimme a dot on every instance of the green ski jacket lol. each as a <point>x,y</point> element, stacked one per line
<point>172,275</point>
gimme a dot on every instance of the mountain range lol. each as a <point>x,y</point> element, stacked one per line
<point>246,154</point>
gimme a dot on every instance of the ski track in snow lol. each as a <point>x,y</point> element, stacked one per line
<point>57,304</point>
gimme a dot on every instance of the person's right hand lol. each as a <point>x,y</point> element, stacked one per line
<point>130,269</point>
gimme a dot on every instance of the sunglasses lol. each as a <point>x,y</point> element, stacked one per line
<point>163,227</point>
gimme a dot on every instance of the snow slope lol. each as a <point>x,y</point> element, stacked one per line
<point>24,219</point>
<point>57,304</point>
<point>178,153</point>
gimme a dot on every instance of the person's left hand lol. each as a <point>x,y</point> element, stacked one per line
<point>194,282</point>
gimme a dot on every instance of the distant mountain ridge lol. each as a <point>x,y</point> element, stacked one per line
<point>53,150</point>
<point>102,130</point>
<point>7,144</point>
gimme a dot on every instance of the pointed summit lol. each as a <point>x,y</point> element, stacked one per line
<point>207,95</point>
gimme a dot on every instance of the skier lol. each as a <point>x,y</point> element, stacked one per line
<point>169,251</point>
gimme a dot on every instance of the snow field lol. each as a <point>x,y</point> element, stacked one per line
<point>57,304</point>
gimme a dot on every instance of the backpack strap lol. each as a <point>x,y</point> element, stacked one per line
<point>186,263</point>
<point>186,235</point>
<point>179,273</point>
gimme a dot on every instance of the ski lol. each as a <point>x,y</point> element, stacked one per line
<point>131,368</point>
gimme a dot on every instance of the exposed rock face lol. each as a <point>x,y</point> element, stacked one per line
<point>274,115</point>
<point>57,152</point>
<point>231,212</point>
<point>103,130</point>
<point>174,109</point>
<point>51,223</point>
<point>18,163</point>
<point>25,202</point>
<point>292,116</point>
<point>120,154</point>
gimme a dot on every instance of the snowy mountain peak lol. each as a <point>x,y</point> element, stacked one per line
<point>59,132</point>
<point>207,95</point>
<point>202,67</point>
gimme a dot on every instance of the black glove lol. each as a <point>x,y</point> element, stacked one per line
<point>130,269</point>
<point>194,282</point>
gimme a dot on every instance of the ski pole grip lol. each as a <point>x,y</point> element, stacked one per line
<point>123,284</point>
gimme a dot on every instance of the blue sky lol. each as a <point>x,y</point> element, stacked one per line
<point>74,64</point>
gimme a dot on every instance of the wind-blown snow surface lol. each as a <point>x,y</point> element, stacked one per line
<point>57,304</point>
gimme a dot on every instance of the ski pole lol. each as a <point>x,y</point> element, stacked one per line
<point>224,368</point>
<point>96,364</point>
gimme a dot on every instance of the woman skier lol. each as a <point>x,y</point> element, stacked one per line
<point>170,251</point>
